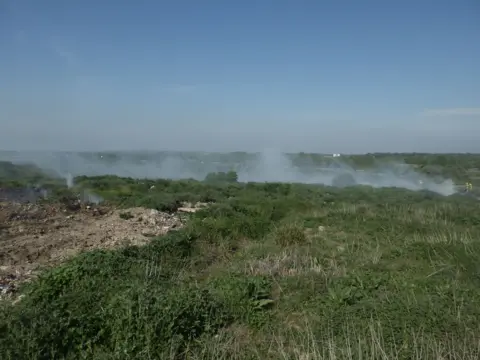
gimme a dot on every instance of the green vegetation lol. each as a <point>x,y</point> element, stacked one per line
<point>15,176</point>
<point>267,271</point>
<point>219,177</point>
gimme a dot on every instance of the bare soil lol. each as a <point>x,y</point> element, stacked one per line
<point>36,236</point>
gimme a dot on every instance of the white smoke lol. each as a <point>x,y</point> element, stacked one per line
<point>270,165</point>
<point>69,180</point>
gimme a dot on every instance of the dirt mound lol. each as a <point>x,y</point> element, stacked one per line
<point>35,236</point>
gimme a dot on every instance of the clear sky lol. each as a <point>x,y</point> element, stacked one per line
<point>311,75</point>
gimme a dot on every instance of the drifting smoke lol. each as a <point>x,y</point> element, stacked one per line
<point>89,197</point>
<point>69,180</point>
<point>31,194</point>
<point>270,165</point>
<point>85,195</point>
<point>274,166</point>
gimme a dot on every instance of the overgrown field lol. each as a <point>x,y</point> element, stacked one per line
<point>266,271</point>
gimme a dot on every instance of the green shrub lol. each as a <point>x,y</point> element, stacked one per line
<point>219,177</point>
<point>288,234</point>
<point>248,298</point>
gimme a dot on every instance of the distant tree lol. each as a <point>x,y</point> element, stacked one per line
<point>441,160</point>
<point>216,177</point>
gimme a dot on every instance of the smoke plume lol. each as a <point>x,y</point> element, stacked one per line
<point>269,165</point>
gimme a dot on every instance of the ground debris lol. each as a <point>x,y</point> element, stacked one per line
<point>191,208</point>
<point>35,236</point>
<point>9,282</point>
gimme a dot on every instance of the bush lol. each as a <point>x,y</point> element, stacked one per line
<point>288,234</point>
<point>219,177</point>
<point>248,298</point>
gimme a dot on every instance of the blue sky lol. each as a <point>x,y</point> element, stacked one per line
<point>312,75</point>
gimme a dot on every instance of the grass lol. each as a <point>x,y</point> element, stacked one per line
<point>268,271</point>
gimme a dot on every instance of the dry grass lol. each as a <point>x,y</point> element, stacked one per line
<point>293,343</point>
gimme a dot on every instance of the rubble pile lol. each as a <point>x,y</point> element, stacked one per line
<point>39,235</point>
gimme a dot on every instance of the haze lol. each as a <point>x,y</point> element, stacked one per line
<point>316,76</point>
<point>269,165</point>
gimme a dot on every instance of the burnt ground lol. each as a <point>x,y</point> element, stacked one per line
<point>34,236</point>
